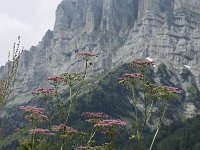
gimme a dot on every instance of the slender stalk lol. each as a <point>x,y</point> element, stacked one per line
<point>70,91</point>
<point>113,142</point>
<point>84,76</point>
<point>145,105</point>
<point>159,124</point>
<point>139,143</point>
<point>136,114</point>
<point>70,103</point>
<point>91,136</point>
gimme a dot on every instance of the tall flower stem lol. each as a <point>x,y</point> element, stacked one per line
<point>81,84</point>
<point>79,88</point>
<point>145,108</point>
<point>70,103</point>
<point>159,124</point>
<point>135,105</point>
<point>91,136</point>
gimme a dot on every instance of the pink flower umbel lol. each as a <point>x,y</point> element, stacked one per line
<point>141,64</point>
<point>72,78</point>
<point>130,78</point>
<point>173,90</point>
<point>55,80</point>
<point>34,114</point>
<point>57,128</point>
<point>94,117</point>
<point>31,109</point>
<point>39,131</point>
<point>99,115</point>
<point>62,127</point>
<point>110,127</point>
<point>87,55</point>
<point>110,123</point>
<point>84,148</point>
<point>44,92</point>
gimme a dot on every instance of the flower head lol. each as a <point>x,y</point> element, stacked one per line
<point>163,91</point>
<point>141,64</point>
<point>44,91</point>
<point>173,90</point>
<point>84,148</point>
<point>94,117</point>
<point>39,131</point>
<point>72,78</point>
<point>130,77</point>
<point>87,55</point>
<point>110,127</point>
<point>110,123</point>
<point>57,128</point>
<point>34,114</point>
<point>55,80</point>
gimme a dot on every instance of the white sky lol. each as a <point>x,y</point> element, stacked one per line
<point>28,18</point>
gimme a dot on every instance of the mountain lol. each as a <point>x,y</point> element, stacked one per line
<point>119,31</point>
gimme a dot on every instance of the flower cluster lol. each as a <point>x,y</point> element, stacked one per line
<point>55,80</point>
<point>130,78</point>
<point>133,76</point>
<point>174,90</point>
<point>36,114</point>
<point>141,64</point>
<point>62,127</point>
<point>39,131</point>
<point>110,123</point>
<point>57,128</point>
<point>94,117</point>
<point>110,127</point>
<point>99,115</point>
<point>44,92</point>
<point>84,148</point>
<point>87,55</point>
<point>67,132</point>
<point>163,91</point>
<point>91,148</point>
<point>72,78</point>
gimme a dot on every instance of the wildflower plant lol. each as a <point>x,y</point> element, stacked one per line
<point>152,96</point>
<point>8,80</point>
<point>36,116</point>
<point>52,126</point>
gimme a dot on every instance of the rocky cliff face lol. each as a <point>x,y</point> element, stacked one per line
<point>119,31</point>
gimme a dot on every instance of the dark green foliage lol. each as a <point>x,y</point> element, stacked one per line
<point>106,95</point>
<point>180,136</point>
<point>193,93</point>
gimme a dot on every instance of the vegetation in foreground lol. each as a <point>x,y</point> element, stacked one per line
<point>48,127</point>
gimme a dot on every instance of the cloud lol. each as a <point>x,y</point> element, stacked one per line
<point>29,19</point>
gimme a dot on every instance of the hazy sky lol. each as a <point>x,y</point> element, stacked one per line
<point>28,18</point>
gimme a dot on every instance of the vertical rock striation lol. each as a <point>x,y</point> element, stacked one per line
<point>119,31</point>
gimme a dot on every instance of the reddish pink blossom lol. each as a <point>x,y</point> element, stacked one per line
<point>173,90</point>
<point>84,148</point>
<point>57,128</point>
<point>31,109</point>
<point>55,80</point>
<point>110,123</point>
<point>141,63</point>
<point>132,76</point>
<point>66,129</point>
<point>94,117</point>
<point>87,55</point>
<point>44,91</point>
<point>39,131</point>
<point>34,113</point>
